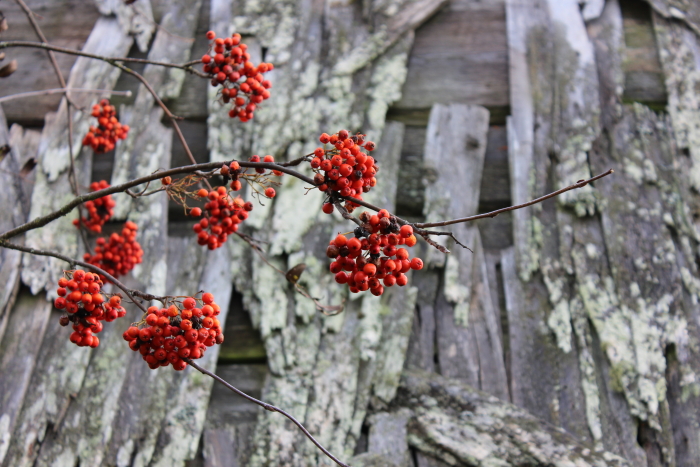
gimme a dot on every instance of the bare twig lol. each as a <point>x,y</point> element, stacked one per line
<point>268,407</point>
<point>579,184</point>
<point>63,50</point>
<point>47,92</point>
<point>42,221</point>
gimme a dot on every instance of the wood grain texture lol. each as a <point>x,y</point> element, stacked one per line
<point>467,334</point>
<point>459,55</point>
<point>551,133</point>
<point>17,182</point>
<point>65,23</point>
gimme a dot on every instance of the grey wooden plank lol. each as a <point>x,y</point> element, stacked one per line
<point>466,41</point>
<point>19,348</point>
<point>643,140</point>
<point>467,333</point>
<point>181,428</point>
<point>644,79</point>
<point>65,23</point>
<point>55,382</point>
<point>17,183</point>
<point>556,108</point>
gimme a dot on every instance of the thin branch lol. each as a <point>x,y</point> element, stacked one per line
<point>43,220</point>
<point>579,184</point>
<point>267,407</point>
<point>63,50</point>
<point>33,251</point>
<point>47,92</point>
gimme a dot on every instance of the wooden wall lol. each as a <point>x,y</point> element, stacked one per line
<point>581,312</point>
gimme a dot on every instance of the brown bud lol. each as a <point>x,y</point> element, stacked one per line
<point>332,251</point>
<point>64,321</point>
<point>225,170</point>
<point>8,69</point>
<point>318,179</point>
<point>384,222</point>
<point>365,216</point>
<point>360,261</point>
<point>344,251</point>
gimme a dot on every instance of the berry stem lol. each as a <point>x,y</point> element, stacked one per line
<point>268,407</point>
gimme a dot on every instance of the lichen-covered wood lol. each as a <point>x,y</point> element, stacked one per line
<point>465,427</point>
<point>587,323</point>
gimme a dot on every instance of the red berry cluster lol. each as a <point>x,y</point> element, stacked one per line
<point>361,256</point>
<point>183,330</point>
<point>229,64</point>
<point>120,254</point>
<point>223,214</point>
<point>344,169</point>
<point>99,210</point>
<point>104,136</point>
<point>79,294</point>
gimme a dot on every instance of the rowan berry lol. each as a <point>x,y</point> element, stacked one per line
<point>86,310</point>
<point>372,257</point>
<point>171,334</point>
<point>99,210</point>
<point>270,192</point>
<point>231,62</point>
<point>104,136</point>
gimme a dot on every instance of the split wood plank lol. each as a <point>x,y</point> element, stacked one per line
<point>467,332</point>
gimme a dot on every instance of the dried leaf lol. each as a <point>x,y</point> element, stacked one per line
<point>295,273</point>
<point>8,69</point>
<point>28,167</point>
